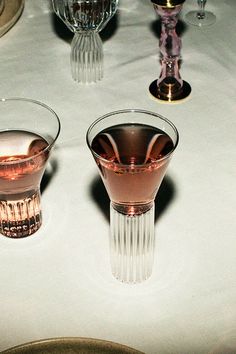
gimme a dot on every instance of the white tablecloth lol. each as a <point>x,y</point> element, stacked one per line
<point>58,282</point>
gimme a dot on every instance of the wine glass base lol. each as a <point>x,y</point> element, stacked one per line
<point>192,18</point>
<point>184,93</point>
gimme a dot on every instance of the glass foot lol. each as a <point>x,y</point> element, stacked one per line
<point>167,95</point>
<point>196,19</point>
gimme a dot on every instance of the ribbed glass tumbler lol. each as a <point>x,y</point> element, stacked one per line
<point>28,132</point>
<point>132,149</point>
<point>86,18</point>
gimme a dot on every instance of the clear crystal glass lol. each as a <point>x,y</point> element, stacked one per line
<point>86,18</point>
<point>200,17</point>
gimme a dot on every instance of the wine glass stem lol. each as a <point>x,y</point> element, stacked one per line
<point>201,9</point>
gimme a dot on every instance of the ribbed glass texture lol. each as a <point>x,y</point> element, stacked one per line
<point>87,57</point>
<point>131,245</point>
<point>20,218</point>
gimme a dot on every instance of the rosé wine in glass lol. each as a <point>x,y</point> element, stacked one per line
<point>132,149</point>
<point>134,168</point>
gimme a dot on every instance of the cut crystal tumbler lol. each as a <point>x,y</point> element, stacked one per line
<point>28,132</point>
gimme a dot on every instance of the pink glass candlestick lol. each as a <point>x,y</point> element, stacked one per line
<point>170,86</point>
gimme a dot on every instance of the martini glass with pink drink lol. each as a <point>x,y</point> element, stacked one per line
<point>132,149</point>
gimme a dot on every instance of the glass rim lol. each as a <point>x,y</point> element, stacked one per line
<point>50,145</point>
<point>132,110</point>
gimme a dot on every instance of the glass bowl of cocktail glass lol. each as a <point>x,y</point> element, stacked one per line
<point>86,18</point>
<point>200,17</point>
<point>132,149</point>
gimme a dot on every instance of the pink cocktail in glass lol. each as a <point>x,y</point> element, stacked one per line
<point>132,149</point>
<point>28,132</point>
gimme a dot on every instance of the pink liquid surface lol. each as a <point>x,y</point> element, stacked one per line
<point>131,161</point>
<point>21,164</point>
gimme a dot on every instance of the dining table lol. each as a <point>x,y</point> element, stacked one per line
<point>58,282</point>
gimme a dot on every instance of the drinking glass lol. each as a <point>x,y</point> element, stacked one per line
<point>86,18</point>
<point>132,149</point>
<point>200,17</point>
<point>28,132</point>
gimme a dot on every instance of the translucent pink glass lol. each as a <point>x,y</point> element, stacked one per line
<point>170,86</point>
<point>170,45</point>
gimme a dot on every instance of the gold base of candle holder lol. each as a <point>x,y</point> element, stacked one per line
<point>169,90</point>
<point>167,3</point>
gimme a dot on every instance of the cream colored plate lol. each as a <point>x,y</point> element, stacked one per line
<point>71,346</point>
<point>10,14</point>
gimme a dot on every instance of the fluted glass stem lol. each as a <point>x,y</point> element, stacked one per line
<point>131,245</point>
<point>87,57</point>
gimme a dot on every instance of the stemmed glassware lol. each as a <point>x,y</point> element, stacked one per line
<point>200,17</point>
<point>86,18</point>
<point>132,149</point>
